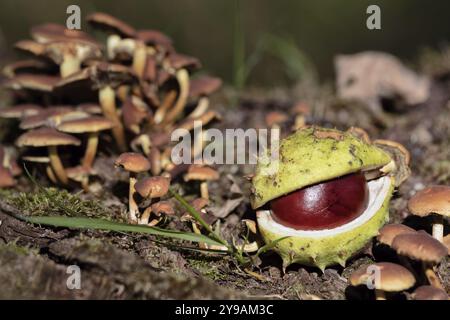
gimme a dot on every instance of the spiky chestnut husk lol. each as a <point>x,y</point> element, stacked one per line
<point>334,246</point>
<point>310,156</point>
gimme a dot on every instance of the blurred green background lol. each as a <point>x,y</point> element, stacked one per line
<point>272,39</point>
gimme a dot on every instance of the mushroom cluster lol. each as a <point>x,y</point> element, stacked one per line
<point>412,247</point>
<point>133,90</point>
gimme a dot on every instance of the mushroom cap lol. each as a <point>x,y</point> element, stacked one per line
<point>90,124</point>
<point>83,50</point>
<point>91,108</point>
<point>179,61</point>
<point>387,233</point>
<point>204,85</point>
<point>393,277</point>
<point>78,173</point>
<point>42,118</point>
<point>132,162</point>
<point>20,110</point>
<point>150,37</point>
<point>6,178</point>
<point>429,293</point>
<point>30,46</point>
<point>275,117</point>
<point>419,246</point>
<point>434,199</point>
<point>55,32</point>
<point>109,23</point>
<point>163,207</point>
<point>37,82</point>
<point>153,187</point>
<point>45,137</point>
<point>447,242</point>
<point>202,173</point>
<point>26,66</point>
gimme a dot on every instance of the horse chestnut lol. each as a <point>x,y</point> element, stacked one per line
<point>324,205</point>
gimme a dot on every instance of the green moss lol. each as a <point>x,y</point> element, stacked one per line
<point>206,268</point>
<point>53,202</point>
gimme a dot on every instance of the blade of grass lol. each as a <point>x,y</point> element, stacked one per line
<point>100,224</point>
<point>269,246</point>
<point>197,217</point>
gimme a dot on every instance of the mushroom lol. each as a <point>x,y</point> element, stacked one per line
<point>48,32</point>
<point>201,88</point>
<point>134,112</point>
<point>68,54</point>
<point>26,66</point>
<point>133,163</point>
<point>6,178</point>
<point>150,188</point>
<point>387,233</point>
<point>384,277</point>
<point>421,246</point>
<point>275,118</point>
<point>447,242</point>
<point>33,82</point>
<point>111,24</point>
<point>429,293</point>
<point>92,125</point>
<point>20,110</point>
<point>50,138</point>
<point>203,174</point>
<point>104,77</point>
<point>80,174</point>
<point>43,117</point>
<point>43,160</point>
<point>434,201</point>
<point>160,209</point>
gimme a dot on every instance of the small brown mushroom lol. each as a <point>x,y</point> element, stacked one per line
<point>421,246</point>
<point>134,112</point>
<point>29,66</point>
<point>104,77</point>
<point>32,82</point>
<point>133,163</point>
<point>384,277</point>
<point>429,293</point>
<point>43,160</point>
<point>203,174</point>
<point>387,233</point>
<point>50,138</point>
<point>433,200</point>
<point>48,32</point>
<point>153,187</point>
<point>201,88</point>
<point>20,110</point>
<point>92,125</point>
<point>111,24</point>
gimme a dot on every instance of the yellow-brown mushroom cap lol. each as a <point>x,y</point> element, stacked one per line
<point>84,125</point>
<point>133,162</point>
<point>393,277</point>
<point>34,82</point>
<point>20,110</point>
<point>387,234</point>
<point>163,207</point>
<point>420,246</point>
<point>204,86</point>
<point>202,173</point>
<point>429,293</point>
<point>45,137</point>
<point>153,187</point>
<point>434,199</point>
<point>107,22</point>
<point>47,32</point>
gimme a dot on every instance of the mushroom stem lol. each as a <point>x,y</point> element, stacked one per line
<point>69,66</point>
<point>183,82</point>
<point>51,174</point>
<point>145,216</point>
<point>57,165</point>
<point>380,295</point>
<point>91,150</point>
<point>139,59</point>
<point>438,228</point>
<point>432,276</point>
<point>204,190</point>
<point>107,100</point>
<point>201,108</point>
<point>169,99</point>
<point>132,205</point>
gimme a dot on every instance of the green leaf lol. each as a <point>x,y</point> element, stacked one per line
<point>100,224</point>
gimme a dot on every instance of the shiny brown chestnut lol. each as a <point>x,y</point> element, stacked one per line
<point>325,205</point>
